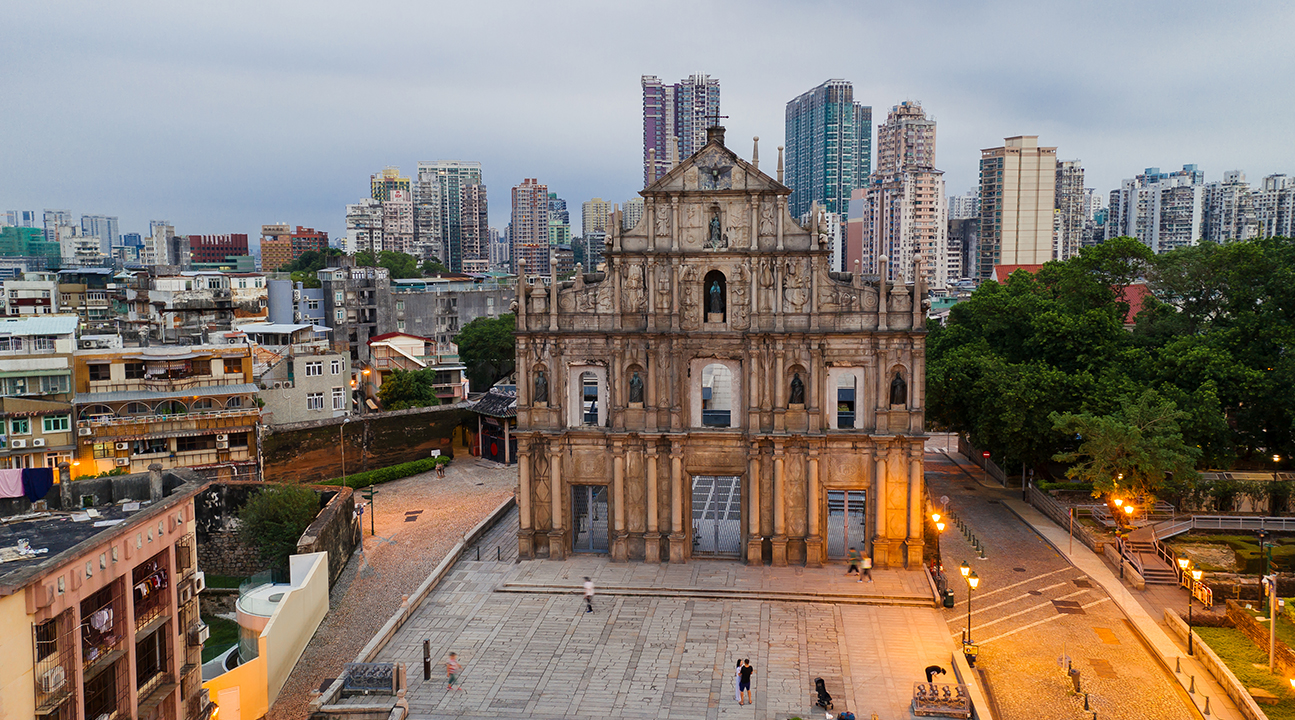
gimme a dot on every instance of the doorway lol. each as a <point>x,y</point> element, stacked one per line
<point>589,518</point>
<point>717,516</point>
<point>846,522</point>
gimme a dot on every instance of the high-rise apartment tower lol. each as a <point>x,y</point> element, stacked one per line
<point>676,113</point>
<point>1018,184</point>
<point>829,147</point>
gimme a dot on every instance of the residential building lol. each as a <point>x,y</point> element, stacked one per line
<point>594,215</point>
<point>36,293</point>
<point>559,232</point>
<point>592,248</point>
<point>1162,210</point>
<point>164,247</point>
<point>216,249</point>
<point>829,147</point>
<point>385,184</point>
<point>412,353</point>
<point>276,247</point>
<point>398,222</point>
<point>530,226</point>
<point>96,295</point>
<point>1228,210</point>
<point>1071,203</point>
<point>903,212</point>
<point>1274,203</point>
<point>193,306</point>
<point>307,381</point>
<point>439,307</point>
<point>631,213</point>
<point>363,227</point>
<point>1018,183</point>
<point>289,302</point>
<point>103,227</point>
<point>501,254</point>
<point>51,219</point>
<point>355,299</point>
<point>442,220</point>
<point>24,242</point>
<point>104,622</point>
<point>36,391</point>
<point>20,218</point>
<point>730,339</point>
<point>78,249</point>
<point>190,406</point>
<point>675,118</point>
<point>474,229</point>
<point>967,205</point>
<point>964,242</point>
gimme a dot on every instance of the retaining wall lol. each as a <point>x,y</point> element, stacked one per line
<point>1243,620</point>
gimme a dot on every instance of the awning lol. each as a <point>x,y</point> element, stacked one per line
<point>157,436</point>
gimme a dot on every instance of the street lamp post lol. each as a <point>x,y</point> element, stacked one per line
<point>972,582</point>
<point>1184,564</point>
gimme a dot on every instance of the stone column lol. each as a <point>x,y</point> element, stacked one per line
<point>779,211</point>
<point>813,543</point>
<point>814,406</point>
<point>557,537</point>
<point>674,223</point>
<point>674,295</point>
<point>881,540</point>
<point>652,540</point>
<point>650,211</point>
<point>754,541</point>
<point>915,516</point>
<point>619,550</point>
<point>779,540</point>
<point>883,386</point>
<point>525,533</point>
<point>677,535</point>
<point>779,379</point>
<point>523,373</point>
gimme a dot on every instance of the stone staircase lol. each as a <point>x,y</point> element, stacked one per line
<point>1155,571</point>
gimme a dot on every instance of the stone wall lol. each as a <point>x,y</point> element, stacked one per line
<point>336,530</point>
<point>223,552</point>
<point>311,452</point>
<point>1243,620</point>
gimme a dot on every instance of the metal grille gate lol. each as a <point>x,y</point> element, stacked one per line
<point>717,515</point>
<point>846,522</point>
<point>589,516</point>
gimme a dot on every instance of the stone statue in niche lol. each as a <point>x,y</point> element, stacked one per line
<point>767,226</point>
<point>795,290</point>
<point>541,387</point>
<point>766,285</point>
<point>634,291</point>
<point>898,390</point>
<point>663,289</point>
<point>715,237</point>
<point>797,390</point>
<point>716,298</point>
<point>691,220</point>
<point>636,388</point>
<point>662,221</point>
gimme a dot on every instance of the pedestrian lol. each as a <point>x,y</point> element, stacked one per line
<point>452,671</point>
<point>867,569</point>
<point>933,670</point>
<point>440,469</point>
<point>852,556</point>
<point>589,595</point>
<point>737,683</point>
<point>744,684</point>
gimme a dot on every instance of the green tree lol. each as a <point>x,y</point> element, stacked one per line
<point>1129,451</point>
<point>275,518</point>
<point>488,350</point>
<point>433,266</point>
<point>404,389</point>
<point>400,265</point>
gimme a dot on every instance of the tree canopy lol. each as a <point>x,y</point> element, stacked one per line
<point>488,350</point>
<point>1211,342</point>
<point>403,389</point>
<point>401,265</point>
<point>273,520</point>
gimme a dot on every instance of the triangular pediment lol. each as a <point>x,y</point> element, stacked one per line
<point>715,168</point>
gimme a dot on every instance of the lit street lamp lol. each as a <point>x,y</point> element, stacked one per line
<point>969,648</point>
<point>1185,564</point>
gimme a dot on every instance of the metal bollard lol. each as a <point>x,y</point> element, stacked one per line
<point>478,553</point>
<point>427,660</point>
<point>1207,704</point>
<point>1178,665</point>
<point>1086,708</point>
<point>499,553</point>
<point>1192,689</point>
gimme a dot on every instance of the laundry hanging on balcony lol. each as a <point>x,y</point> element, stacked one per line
<point>36,482</point>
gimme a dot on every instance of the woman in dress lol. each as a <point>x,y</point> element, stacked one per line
<point>737,677</point>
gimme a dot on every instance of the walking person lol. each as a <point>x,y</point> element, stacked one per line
<point>852,556</point>
<point>452,671</point>
<point>867,569</point>
<point>744,683</point>
<point>737,683</point>
<point>589,595</point>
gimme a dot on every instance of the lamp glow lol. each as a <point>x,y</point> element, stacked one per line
<point>939,527</point>
<point>1196,574</point>
<point>1128,509</point>
<point>973,580</point>
<point>1119,502</point>
<point>1183,562</point>
<point>935,517</point>
<point>965,569</point>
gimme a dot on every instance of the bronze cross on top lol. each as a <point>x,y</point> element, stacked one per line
<point>714,119</point>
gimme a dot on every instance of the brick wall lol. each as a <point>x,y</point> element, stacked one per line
<point>335,531</point>
<point>223,552</point>
<point>1243,620</point>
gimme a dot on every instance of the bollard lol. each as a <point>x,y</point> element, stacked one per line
<point>1074,679</point>
<point>1178,665</point>
<point>427,660</point>
<point>478,553</point>
<point>499,553</point>
<point>1192,689</point>
<point>1086,708</point>
<point>1207,704</point>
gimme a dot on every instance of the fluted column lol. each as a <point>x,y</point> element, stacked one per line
<point>779,540</point>
<point>652,540</point>
<point>814,542</point>
<point>619,549</point>
<point>557,537</point>
<point>881,540</point>
<point>677,535</point>
<point>915,516</point>
<point>754,541</point>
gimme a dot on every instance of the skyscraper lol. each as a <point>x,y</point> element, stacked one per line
<point>631,213</point>
<point>474,224</point>
<point>384,183</point>
<point>594,216</point>
<point>530,226</point>
<point>1018,184</point>
<point>1071,202</point>
<point>903,211</point>
<point>1228,210</point>
<point>398,222</point>
<point>440,209</point>
<point>363,227</point>
<point>1274,203</point>
<point>1162,210</point>
<point>52,220</point>
<point>103,227</point>
<point>680,112</point>
<point>829,147</point>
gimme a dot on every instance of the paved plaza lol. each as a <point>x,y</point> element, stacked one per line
<point>530,650</point>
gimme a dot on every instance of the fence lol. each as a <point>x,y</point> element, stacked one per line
<point>1178,526</point>
<point>1060,515</point>
<point>972,453</point>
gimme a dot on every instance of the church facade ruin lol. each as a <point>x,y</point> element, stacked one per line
<point>715,391</point>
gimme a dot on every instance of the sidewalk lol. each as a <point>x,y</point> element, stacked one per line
<point>1143,609</point>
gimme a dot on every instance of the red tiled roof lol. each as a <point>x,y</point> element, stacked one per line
<point>1002,272</point>
<point>388,336</point>
<point>1134,295</point>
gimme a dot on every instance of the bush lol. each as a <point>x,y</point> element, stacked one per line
<point>387,474</point>
<point>1086,488</point>
<point>274,519</point>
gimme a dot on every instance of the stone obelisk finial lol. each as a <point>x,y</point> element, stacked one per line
<point>779,163</point>
<point>755,152</point>
<point>651,166</point>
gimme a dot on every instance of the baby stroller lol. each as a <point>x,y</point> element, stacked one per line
<point>824,697</point>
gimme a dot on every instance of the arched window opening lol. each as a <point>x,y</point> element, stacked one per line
<point>845,401</point>
<point>716,396</point>
<point>715,296</point>
<point>136,409</point>
<point>171,407</point>
<point>96,412</point>
<point>589,397</point>
<point>204,405</point>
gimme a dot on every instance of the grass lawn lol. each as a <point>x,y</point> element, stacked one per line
<point>1241,656</point>
<point>1285,630</point>
<point>224,634</point>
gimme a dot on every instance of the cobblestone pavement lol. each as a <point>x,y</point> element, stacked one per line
<point>1033,607</point>
<point>421,512</point>
<point>537,654</point>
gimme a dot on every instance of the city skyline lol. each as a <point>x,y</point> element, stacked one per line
<point>228,166</point>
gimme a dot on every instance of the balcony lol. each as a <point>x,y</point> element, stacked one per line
<point>222,419</point>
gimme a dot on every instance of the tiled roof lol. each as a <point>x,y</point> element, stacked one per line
<point>496,403</point>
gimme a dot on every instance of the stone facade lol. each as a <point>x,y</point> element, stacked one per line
<point>718,350</point>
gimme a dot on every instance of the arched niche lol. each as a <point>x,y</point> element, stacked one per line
<point>898,388</point>
<point>714,294</point>
<point>845,389</point>
<point>587,396</point>
<point>635,385</point>
<point>541,385</point>
<point>797,380</point>
<point>715,393</point>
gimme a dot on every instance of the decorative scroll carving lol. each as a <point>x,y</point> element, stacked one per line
<point>741,300</point>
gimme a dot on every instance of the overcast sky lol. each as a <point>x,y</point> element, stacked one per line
<point>223,116</point>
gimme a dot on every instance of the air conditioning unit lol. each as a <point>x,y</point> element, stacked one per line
<point>53,679</point>
<point>17,443</point>
<point>221,438</point>
<point>122,462</point>
<point>296,295</point>
<point>287,386</point>
<point>278,385</point>
<point>123,446</point>
<point>199,634</point>
<point>186,593</point>
<point>199,581</point>
<point>84,432</point>
<point>222,446</point>
<point>38,442</point>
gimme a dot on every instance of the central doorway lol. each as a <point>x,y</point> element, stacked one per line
<point>589,518</point>
<point>846,522</point>
<point>717,516</point>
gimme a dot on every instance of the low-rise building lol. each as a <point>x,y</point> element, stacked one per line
<point>36,389</point>
<point>188,406</point>
<point>401,351</point>
<point>306,386</point>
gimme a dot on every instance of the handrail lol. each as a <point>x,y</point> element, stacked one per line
<point>1170,528</point>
